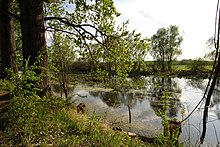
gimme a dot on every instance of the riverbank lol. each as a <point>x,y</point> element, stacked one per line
<point>51,126</point>
<point>50,121</point>
<point>142,101</point>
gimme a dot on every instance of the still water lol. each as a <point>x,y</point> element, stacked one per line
<point>146,104</point>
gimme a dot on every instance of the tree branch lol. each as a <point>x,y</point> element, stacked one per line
<point>58,30</point>
<point>75,26</point>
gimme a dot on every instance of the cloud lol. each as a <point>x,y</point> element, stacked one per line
<point>146,15</point>
<point>194,17</point>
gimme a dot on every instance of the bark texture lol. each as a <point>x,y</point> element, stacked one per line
<point>33,35</point>
<point>7,40</point>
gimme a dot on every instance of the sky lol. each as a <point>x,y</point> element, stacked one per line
<point>195,19</point>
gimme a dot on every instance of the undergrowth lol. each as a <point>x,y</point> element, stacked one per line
<point>31,120</point>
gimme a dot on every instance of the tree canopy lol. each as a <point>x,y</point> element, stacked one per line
<point>165,46</point>
<point>85,29</point>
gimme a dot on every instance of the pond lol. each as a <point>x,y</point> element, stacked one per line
<point>139,110</point>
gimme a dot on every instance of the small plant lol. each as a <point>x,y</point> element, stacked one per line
<point>172,127</point>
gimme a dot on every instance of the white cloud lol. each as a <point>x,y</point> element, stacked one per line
<point>194,17</point>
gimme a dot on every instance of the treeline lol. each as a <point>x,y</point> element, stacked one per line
<point>186,67</point>
<point>190,61</point>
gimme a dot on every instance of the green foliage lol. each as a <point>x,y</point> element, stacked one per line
<point>171,131</point>
<point>87,20</point>
<point>165,46</point>
<point>121,50</point>
<point>210,55</point>
<point>95,39</point>
<point>26,107</point>
<point>197,65</point>
<point>24,83</point>
<point>61,55</point>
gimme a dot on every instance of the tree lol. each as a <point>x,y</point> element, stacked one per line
<point>86,24</point>
<point>165,46</point>
<point>138,47</point>
<point>7,41</point>
<point>61,56</point>
<point>116,55</point>
<point>121,50</point>
<point>33,36</point>
<point>77,24</point>
<point>174,42</point>
<point>159,42</point>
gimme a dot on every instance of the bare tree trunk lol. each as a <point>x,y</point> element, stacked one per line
<point>7,40</point>
<point>33,35</point>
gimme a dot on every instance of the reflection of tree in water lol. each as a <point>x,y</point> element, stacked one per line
<point>197,83</point>
<point>161,88</point>
<point>217,112</point>
<point>116,99</point>
<point>129,101</point>
<point>58,89</point>
<point>215,101</point>
<point>112,99</point>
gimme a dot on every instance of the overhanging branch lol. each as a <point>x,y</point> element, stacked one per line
<point>75,26</point>
<point>56,29</point>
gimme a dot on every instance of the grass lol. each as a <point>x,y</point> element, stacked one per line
<point>181,67</point>
<point>48,121</point>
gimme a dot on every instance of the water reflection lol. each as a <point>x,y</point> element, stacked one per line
<point>215,100</point>
<point>142,106</point>
<point>112,99</point>
<point>153,92</point>
<point>161,88</point>
<point>57,89</point>
<point>216,94</point>
<point>197,83</point>
<point>116,99</point>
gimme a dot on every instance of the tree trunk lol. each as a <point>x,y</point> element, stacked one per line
<point>170,62</point>
<point>7,40</point>
<point>163,64</point>
<point>33,35</point>
<point>170,65</point>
